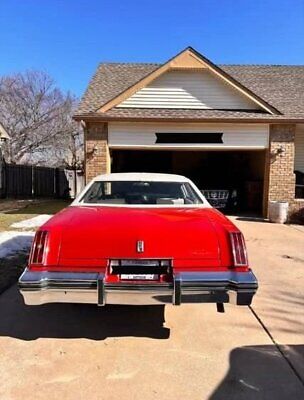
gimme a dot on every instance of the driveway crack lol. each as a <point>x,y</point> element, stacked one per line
<point>268,333</point>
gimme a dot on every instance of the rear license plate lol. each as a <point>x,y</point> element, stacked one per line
<point>139,262</point>
<point>143,277</point>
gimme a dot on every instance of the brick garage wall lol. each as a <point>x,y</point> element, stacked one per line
<point>97,156</point>
<point>281,177</point>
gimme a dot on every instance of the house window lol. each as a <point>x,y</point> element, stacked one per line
<point>299,161</point>
<point>299,194</point>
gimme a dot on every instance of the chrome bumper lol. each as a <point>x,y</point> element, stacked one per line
<point>187,287</point>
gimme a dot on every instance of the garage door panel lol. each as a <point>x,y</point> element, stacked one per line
<point>243,136</point>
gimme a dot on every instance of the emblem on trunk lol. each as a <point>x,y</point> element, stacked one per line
<point>140,246</point>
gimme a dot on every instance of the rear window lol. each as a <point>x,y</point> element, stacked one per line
<point>139,192</point>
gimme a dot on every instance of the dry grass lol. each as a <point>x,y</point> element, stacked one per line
<point>30,210</point>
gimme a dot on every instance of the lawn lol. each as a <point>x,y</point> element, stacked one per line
<point>30,210</point>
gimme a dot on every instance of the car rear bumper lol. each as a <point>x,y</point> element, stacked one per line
<point>187,287</point>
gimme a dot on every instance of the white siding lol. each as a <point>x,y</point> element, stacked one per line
<point>142,135</point>
<point>189,90</point>
<point>299,149</point>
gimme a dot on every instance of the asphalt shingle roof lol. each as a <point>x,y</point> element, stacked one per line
<point>279,85</point>
<point>109,81</point>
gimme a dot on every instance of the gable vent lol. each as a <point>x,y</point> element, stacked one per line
<point>189,90</point>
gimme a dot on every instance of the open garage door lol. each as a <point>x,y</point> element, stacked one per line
<point>241,173</point>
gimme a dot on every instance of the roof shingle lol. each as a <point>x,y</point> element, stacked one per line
<point>279,85</point>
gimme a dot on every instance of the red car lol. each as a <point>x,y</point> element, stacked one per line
<point>137,238</point>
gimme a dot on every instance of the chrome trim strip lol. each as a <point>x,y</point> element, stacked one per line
<point>39,277</point>
<point>236,278</point>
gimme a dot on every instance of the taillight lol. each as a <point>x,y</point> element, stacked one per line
<point>39,248</point>
<point>238,249</point>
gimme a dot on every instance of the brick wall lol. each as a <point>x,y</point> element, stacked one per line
<point>97,156</point>
<point>281,178</point>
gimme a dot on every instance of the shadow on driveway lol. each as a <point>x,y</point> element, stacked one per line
<point>78,320</point>
<point>13,242</point>
<point>260,372</point>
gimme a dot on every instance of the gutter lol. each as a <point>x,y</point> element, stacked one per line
<point>101,118</point>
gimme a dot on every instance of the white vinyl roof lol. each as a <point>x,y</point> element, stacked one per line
<point>141,176</point>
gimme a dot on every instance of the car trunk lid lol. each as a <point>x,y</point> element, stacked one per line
<point>103,233</point>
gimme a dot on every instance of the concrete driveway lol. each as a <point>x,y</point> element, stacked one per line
<point>189,352</point>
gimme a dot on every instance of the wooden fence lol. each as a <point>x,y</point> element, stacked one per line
<point>24,181</point>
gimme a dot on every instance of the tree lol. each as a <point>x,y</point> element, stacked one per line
<point>38,117</point>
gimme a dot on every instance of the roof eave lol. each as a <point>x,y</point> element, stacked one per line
<point>93,117</point>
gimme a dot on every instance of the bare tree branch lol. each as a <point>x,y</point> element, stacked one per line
<point>38,117</point>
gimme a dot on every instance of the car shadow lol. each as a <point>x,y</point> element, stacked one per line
<point>78,320</point>
<point>15,242</point>
<point>261,372</point>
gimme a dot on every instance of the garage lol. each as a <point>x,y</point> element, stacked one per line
<point>239,172</point>
<point>235,126</point>
<point>226,161</point>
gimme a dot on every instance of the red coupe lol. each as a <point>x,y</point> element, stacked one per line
<point>137,238</point>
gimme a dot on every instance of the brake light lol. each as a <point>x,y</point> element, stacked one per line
<point>39,248</point>
<point>238,249</point>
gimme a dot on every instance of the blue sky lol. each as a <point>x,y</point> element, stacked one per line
<point>68,38</point>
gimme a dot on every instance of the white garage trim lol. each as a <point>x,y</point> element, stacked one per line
<point>143,136</point>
